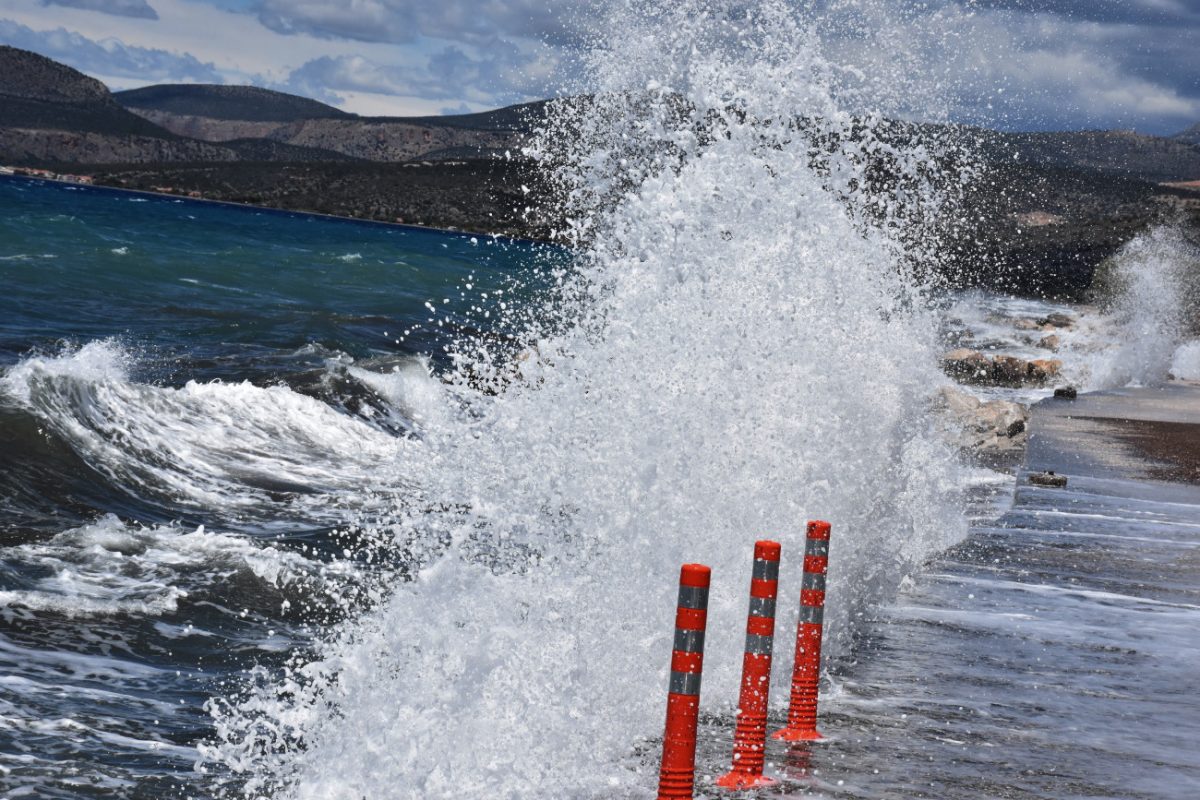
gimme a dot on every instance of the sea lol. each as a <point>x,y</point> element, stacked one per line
<point>187,389</point>
<point>299,507</point>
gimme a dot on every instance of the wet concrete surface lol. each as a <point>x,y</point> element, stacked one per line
<point>1053,654</point>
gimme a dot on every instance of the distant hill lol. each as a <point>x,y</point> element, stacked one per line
<point>41,94</point>
<point>222,114</point>
<point>53,114</point>
<point>30,76</point>
<point>1048,208</point>
<point>523,117</point>
<point>247,103</point>
<point>1122,153</point>
<point>1190,136</point>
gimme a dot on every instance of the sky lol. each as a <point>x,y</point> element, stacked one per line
<point>1013,64</point>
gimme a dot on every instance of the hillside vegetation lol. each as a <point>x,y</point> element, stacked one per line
<point>226,102</point>
<point>1190,136</point>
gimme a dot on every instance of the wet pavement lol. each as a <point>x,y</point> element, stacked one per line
<point>1053,654</point>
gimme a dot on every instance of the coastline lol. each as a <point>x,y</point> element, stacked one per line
<point>460,233</point>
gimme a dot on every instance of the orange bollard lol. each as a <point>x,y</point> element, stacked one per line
<point>750,735</point>
<point>806,673</point>
<point>677,778</point>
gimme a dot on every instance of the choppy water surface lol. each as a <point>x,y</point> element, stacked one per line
<point>179,505</point>
<point>193,400</point>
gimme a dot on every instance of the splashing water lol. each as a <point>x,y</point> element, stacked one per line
<point>739,346</point>
<point>233,446</point>
<point>1185,365</point>
<point>1147,320</point>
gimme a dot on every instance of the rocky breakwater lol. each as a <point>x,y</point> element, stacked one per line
<point>972,366</point>
<point>984,427</point>
<point>993,427</point>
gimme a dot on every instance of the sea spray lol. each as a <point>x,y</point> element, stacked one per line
<point>739,345</point>
<point>1185,364</point>
<point>1151,288</point>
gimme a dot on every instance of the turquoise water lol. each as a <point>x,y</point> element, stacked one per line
<point>226,286</point>
<point>191,396</point>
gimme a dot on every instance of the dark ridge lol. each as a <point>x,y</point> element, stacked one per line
<point>1124,153</point>
<point>1087,216</point>
<point>31,76</point>
<point>247,103</point>
<point>41,94</point>
<point>459,154</point>
<point>95,117</point>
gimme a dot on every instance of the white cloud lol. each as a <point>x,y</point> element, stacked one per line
<point>995,66</point>
<point>1014,63</point>
<point>420,78</point>
<point>406,21</point>
<point>109,57</point>
<point>120,8</point>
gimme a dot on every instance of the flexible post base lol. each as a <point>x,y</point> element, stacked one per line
<point>738,781</point>
<point>798,735</point>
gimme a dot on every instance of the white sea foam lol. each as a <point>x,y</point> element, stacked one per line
<point>231,447</point>
<point>111,568</point>
<point>411,389</point>
<point>738,350</point>
<point>1134,338</point>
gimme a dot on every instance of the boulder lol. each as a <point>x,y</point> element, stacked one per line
<point>997,426</point>
<point>1042,369</point>
<point>1048,479</point>
<point>1009,371</point>
<point>1066,393</point>
<point>1004,417</point>
<point>1027,325</point>
<point>1056,320</point>
<point>957,402</point>
<point>968,365</point>
<point>972,366</point>
<point>1051,342</point>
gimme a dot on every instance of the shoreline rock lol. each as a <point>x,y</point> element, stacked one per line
<point>985,427</point>
<point>973,367</point>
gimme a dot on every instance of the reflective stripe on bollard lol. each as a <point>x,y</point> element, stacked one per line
<point>750,735</point>
<point>806,673</point>
<point>677,777</point>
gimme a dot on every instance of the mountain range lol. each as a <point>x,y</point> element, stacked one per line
<point>1062,200</point>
